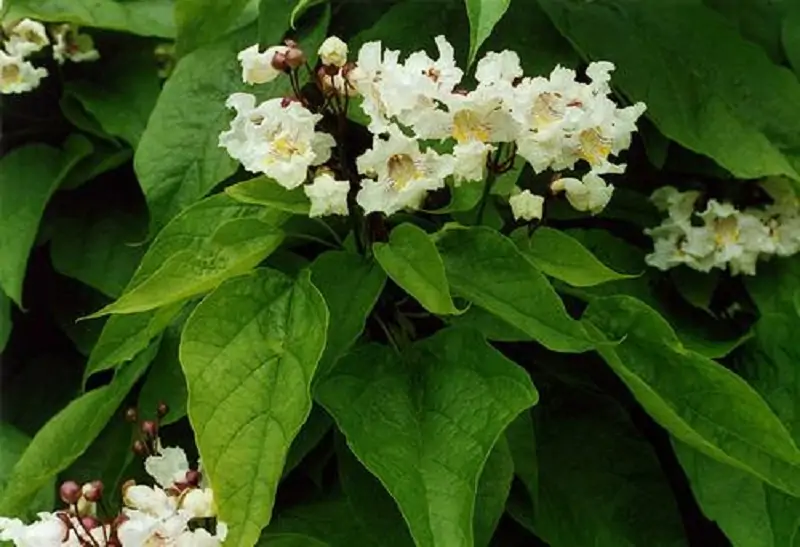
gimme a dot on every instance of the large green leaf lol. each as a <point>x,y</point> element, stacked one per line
<point>425,424</point>
<point>561,256</point>
<point>5,320</point>
<point>410,258</point>
<point>351,285</point>
<point>67,435</point>
<point>249,352</point>
<point>311,434</point>
<point>100,248</point>
<point>744,124</point>
<point>28,177</point>
<point>483,16</point>
<point>123,95</point>
<point>487,268</point>
<point>201,21</point>
<point>601,481</point>
<point>267,192</point>
<point>758,21</point>
<point>521,438</point>
<point>699,401</point>
<point>211,241</point>
<point>179,159</point>
<point>493,488</point>
<point>328,520</point>
<point>124,336</point>
<point>13,443</point>
<point>143,17</point>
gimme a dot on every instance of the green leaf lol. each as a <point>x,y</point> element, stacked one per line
<point>104,158</point>
<point>749,511</point>
<point>493,489</point>
<point>329,520</point>
<point>28,177</point>
<point>165,381</point>
<point>13,444</point>
<point>758,22</point>
<point>254,338</point>
<point>483,16</point>
<point>211,241</point>
<point>790,38</point>
<point>521,438</point>
<point>744,124</point>
<point>563,257</point>
<point>426,425</point>
<point>289,540</point>
<point>123,98</point>
<point>487,268</point>
<point>267,192</point>
<point>697,288</point>
<point>601,482</point>
<point>67,435</point>
<point>376,513</point>
<point>300,8</point>
<point>489,325</point>
<point>100,248</point>
<point>125,336</point>
<point>143,17</point>
<point>179,159</point>
<point>201,21</point>
<point>410,258</point>
<point>351,286</point>
<point>697,400</point>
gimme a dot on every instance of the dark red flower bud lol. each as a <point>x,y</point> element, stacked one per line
<point>347,68</point>
<point>94,492</point>
<point>131,415</point>
<point>193,477</point>
<point>295,58</point>
<point>329,70</point>
<point>139,448</point>
<point>70,492</point>
<point>279,61</point>
<point>150,428</point>
<point>162,409</point>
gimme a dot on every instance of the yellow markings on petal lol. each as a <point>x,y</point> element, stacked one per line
<point>593,147</point>
<point>402,170</point>
<point>468,126</point>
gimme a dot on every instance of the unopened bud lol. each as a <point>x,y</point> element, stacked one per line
<point>162,409</point>
<point>295,58</point>
<point>329,70</point>
<point>279,61</point>
<point>139,448</point>
<point>93,491</point>
<point>131,415</point>
<point>150,428</point>
<point>70,492</point>
<point>193,477</point>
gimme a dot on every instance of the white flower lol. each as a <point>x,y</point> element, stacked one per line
<point>257,68</point>
<point>48,531</point>
<point>498,68</point>
<point>333,51</point>
<point>145,529</point>
<point>328,196</point>
<point>18,75</point>
<point>526,206</point>
<point>590,193</point>
<point>367,76</point>
<point>26,37</point>
<point>276,139</point>
<point>202,538</point>
<point>72,45</point>
<point>403,174</point>
<point>738,237</point>
<point>152,501</point>
<point>198,503</point>
<point>168,467</point>
<point>470,161</point>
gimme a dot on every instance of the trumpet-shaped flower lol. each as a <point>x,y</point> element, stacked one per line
<point>18,75</point>
<point>26,37</point>
<point>258,67</point>
<point>328,196</point>
<point>591,193</point>
<point>526,206</point>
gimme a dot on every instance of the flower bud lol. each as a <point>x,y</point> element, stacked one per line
<point>131,415</point>
<point>286,101</point>
<point>70,492</point>
<point>93,491</point>
<point>278,61</point>
<point>290,43</point>
<point>199,503</point>
<point>150,428</point>
<point>89,522</point>
<point>295,58</point>
<point>193,477</point>
<point>139,448</point>
<point>333,52</point>
<point>162,409</point>
<point>328,70</point>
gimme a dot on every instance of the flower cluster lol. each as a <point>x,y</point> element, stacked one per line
<point>165,514</point>
<point>427,130</point>
<point>722,236</point>
<point>24,38</point>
